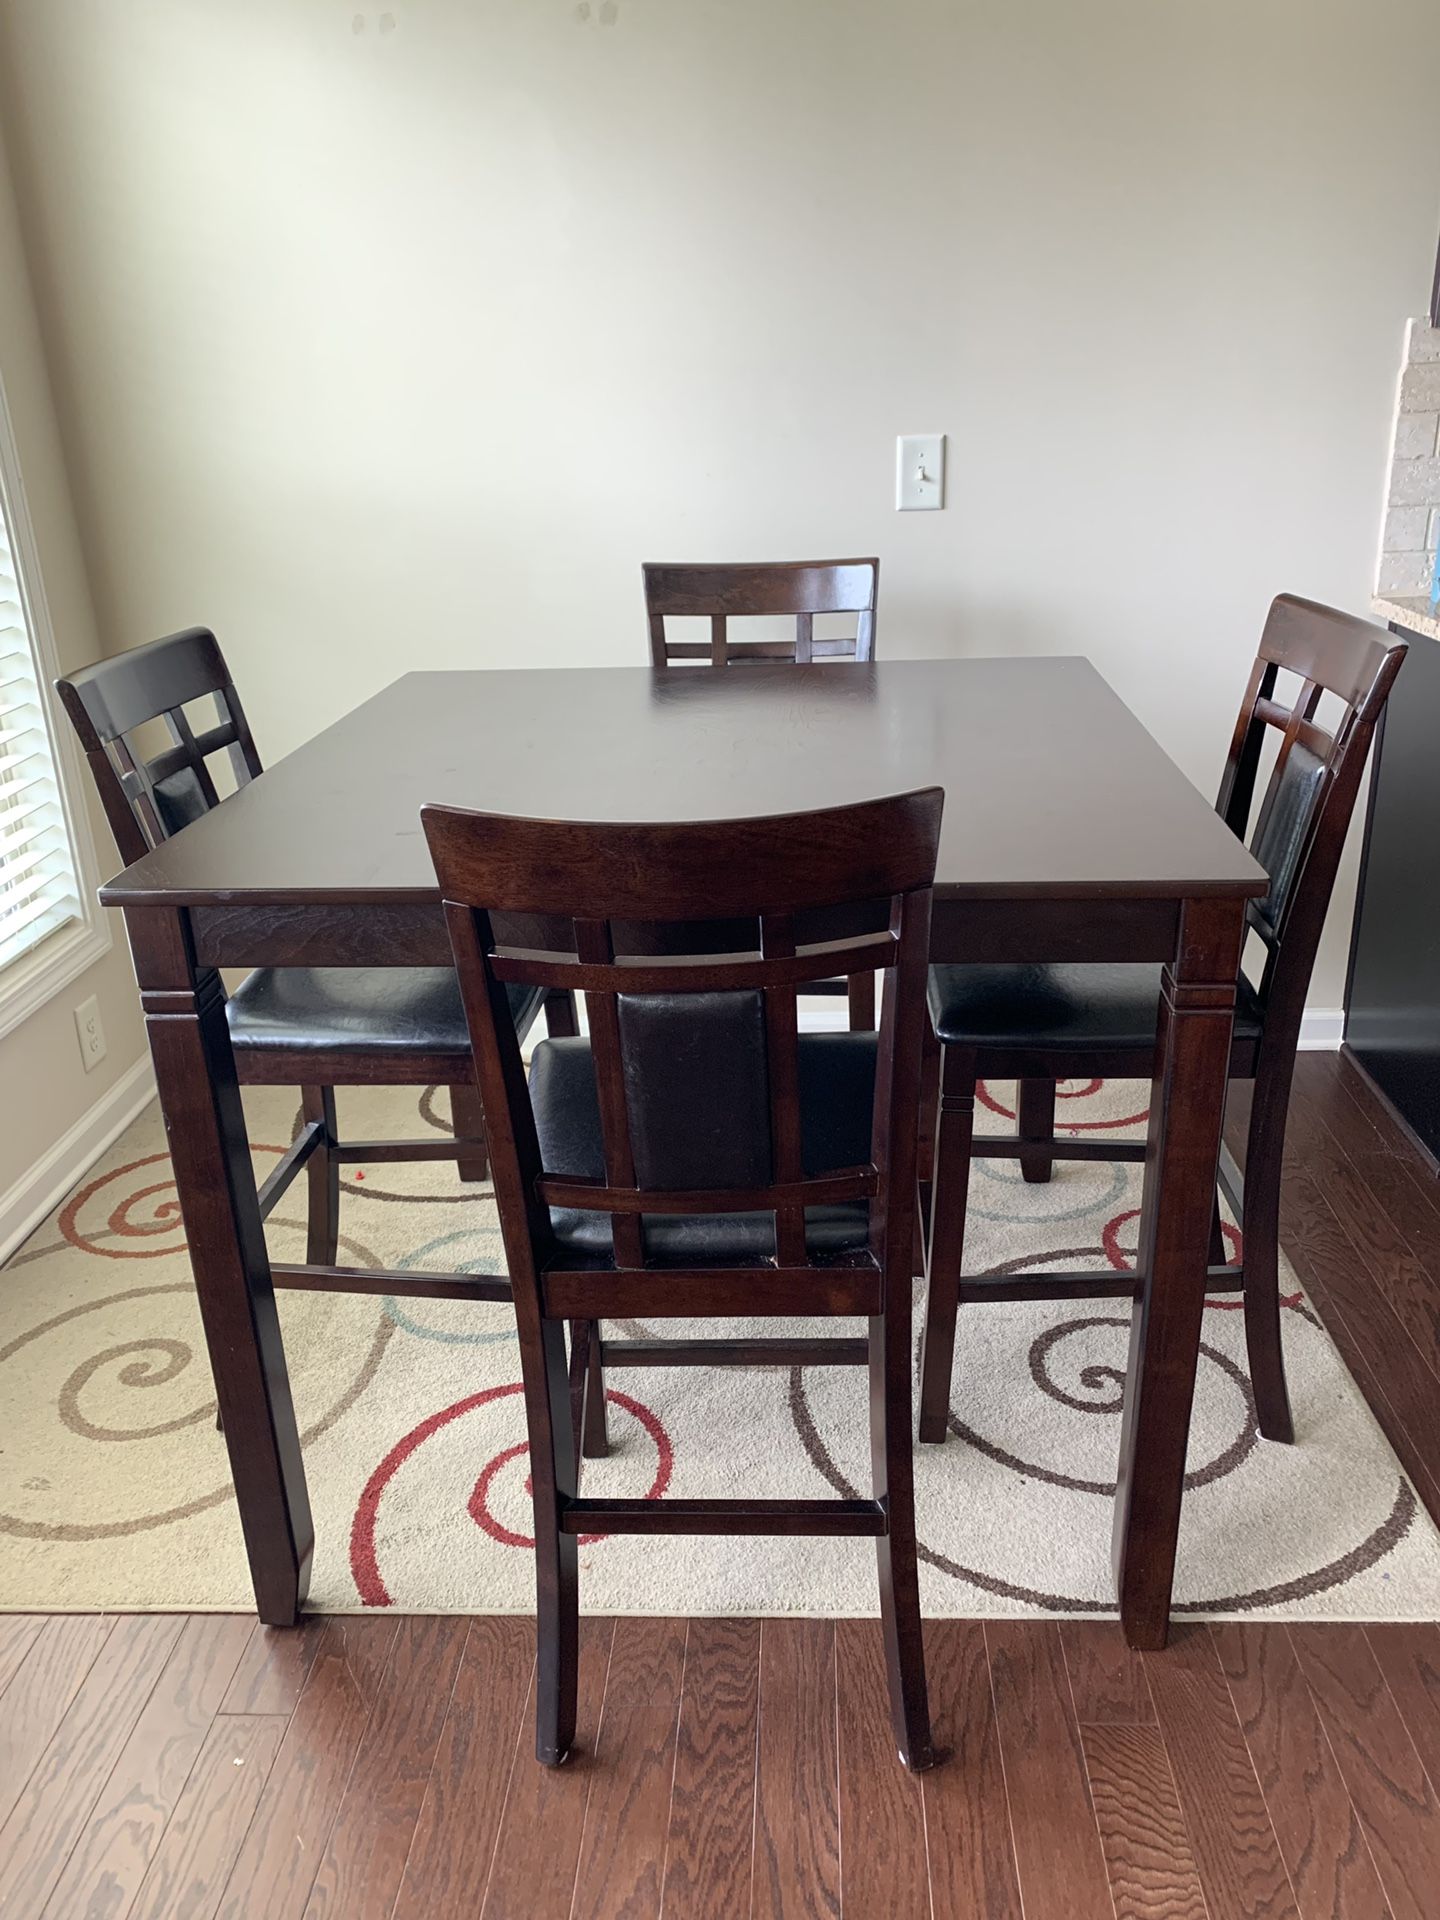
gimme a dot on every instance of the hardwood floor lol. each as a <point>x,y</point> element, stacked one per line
<point>731,1768</point>
<point>159,1767</point>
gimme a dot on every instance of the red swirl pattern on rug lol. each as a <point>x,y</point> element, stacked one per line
<point>164,1217</point>
<point>364,1562</point>
<point>1062,1092</point>
<point>1123,1260</point>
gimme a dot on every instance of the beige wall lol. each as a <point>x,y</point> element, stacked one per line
<point>44,1089</point>
<point>390,338</point>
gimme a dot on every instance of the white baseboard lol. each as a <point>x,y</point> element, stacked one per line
<point>1321,1028</point>
<point>72,1156</point>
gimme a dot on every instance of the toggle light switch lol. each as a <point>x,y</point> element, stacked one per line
<point>919,471</point>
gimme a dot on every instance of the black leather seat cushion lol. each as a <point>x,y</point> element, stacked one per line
<point>837,1090</point>
<point>1088,1008</point>
<point>360,1009</point>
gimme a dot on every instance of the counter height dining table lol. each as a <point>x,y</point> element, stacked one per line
<point>1068,836</point>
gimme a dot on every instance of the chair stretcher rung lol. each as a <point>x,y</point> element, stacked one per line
<point>386,1152</point>
<point>289,1164</point>
<point>734,1353</point>
<point>1006,1146</point>
<point>1102,1283</point>
<point>811,1517</point>
<point>413,1283</point>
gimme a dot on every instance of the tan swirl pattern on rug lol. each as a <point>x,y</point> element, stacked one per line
<point>114,1488</point>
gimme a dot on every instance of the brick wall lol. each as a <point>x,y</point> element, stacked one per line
<point>1412,513</point>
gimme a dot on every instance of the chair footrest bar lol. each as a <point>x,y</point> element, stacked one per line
<point>734,1353</point>
<point>1102,1284</point>
<point>1007,1146</point>
<point>827,1517</point>
<point>1224,1279</point>
<point>415,1285</point>
<point>706,1293</point>
<point>383,1152</point>
<point>289,1164</point>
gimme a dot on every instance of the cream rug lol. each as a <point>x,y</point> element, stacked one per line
<point>114,1490</point>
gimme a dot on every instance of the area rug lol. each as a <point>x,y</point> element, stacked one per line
<point>114,1489</point>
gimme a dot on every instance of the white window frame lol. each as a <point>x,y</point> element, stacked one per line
<point>58,960</point>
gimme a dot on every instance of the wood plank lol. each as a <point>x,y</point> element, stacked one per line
<point>275,1666</point>
<point>1233,1843</point>
<point>712,1806</point>
<point>186,1879</point>
<point>1366,1133</point>
<point>459,1822</point>
<point>1107,1677</point>
<point>883,1869</point>
<point>1353,1113</point>
<point>622,1856</point>
<point>359,1874</point>
<point>110,1859</point>
<point>967,1813</point>
<point>1057,1843</point>
<point>39,1695</point>
<point>1142,1830</point>
<point>1392,1792</point>
<point>533,1874</point>
<point>1409,1658</point>
<point>52,1811</point>
<point>18,1633</point>
<point>1374,1346</point>
<point>797,1821</point>
<point>1356,1196</point>
<point>281,1851</point>
<point>1318,1829</point>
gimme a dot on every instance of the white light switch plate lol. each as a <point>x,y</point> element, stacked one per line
<point>919,472</point>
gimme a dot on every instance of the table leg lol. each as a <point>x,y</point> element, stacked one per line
<point>205,1128</point>
<point>1197,1005</point>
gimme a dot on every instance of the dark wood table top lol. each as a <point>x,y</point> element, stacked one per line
<point>1053,787</point>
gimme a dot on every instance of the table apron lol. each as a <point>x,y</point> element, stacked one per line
<point>985,930</point>
<point>1022,931</point>
<point>321,936</point>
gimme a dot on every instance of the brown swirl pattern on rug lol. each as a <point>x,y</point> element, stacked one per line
<point>114,1486</point>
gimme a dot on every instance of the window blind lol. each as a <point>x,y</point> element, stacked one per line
<point>39,891</point>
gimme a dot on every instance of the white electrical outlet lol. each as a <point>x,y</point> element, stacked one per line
<point>919,472</point>
<point>90,1032</point>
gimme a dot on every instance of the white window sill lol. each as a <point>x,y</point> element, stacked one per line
<point>48,969</point>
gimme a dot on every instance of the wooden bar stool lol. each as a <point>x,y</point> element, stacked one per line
<point>1042,1024</point>
<point>802,588</point>
<point>696,1156</point>
<point>316,1028</point>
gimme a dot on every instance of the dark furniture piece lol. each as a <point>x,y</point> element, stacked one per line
<point>1392,994</point>
<point>742,590</point>
<point>1040,1024</point>
<point>697,1157</point>
<point>1101,850</point>
<point>317,1028</point>
<point>724,591</point>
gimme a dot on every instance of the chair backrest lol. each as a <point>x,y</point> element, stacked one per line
<point>148,799</point>
<point>1300,825</point>
<point>722,593</point>
<point>631,915</point>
